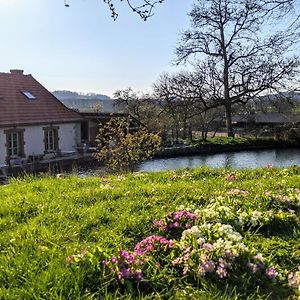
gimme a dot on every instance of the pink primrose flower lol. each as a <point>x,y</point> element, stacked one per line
<point>252,267</point>
<point>208,246</point>
<point>138,275</point>
<point>114,260</point>
<point>126,273</point>
<point>69,259</point>
<point>294,280</point>
<point>221,271</point>
<point>231,177</point>
<point>271,273</point>
<point>208,266</point>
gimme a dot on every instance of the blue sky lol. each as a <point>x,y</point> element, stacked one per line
<point>81,48</point>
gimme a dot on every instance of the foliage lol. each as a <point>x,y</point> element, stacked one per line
<point>122,147</point>
<point>60,237</point>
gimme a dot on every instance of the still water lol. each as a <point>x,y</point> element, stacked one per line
<point>236,160</point>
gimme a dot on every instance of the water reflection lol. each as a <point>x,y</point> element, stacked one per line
<point>237,160</point>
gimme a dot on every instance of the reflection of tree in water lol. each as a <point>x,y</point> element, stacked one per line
<point>243,159</point>
<point>229,160</point>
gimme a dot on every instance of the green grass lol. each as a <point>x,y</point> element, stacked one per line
<point>43,220</point>
<point>237,141</point>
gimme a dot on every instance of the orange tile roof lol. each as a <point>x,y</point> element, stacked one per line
<point>16,109</point>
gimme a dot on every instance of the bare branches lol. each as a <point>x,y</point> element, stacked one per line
<point>238,50</point>
<point>144,8</point>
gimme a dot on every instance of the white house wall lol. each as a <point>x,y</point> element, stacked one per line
<point>2,147</point>
<point>68,134</point>
<point>67,137</point>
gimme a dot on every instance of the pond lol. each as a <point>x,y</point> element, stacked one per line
<point>236,160</point>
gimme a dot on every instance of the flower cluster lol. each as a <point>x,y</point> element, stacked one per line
<point>153,243</point>
<point>125,266</point>
<point>254,217</point>
<point>181,219</point>
<point>210,249</point>
<point>197,242</point>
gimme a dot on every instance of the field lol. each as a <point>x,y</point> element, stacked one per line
<point>200,234</point>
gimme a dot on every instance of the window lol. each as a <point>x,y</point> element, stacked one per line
<point>15,142</point>
<point>28,95</point>
<point>51,138</point>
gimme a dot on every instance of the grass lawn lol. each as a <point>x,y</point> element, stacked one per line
<point>200,234</point>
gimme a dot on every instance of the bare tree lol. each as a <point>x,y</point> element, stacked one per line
<point>181,97</point>
<point>234,54</point>
<point>139,105</point>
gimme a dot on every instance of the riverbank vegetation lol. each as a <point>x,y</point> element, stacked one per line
<point>201,234</point>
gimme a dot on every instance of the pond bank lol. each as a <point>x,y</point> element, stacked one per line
<point>53,166</point>
<point>211,148</point>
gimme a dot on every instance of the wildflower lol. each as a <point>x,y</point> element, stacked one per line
<point>252,267</point>
<point>294,280</point>
<point>208,246</point>
<point>150,243</point>
<point>138,275</point>
<point>208,266</point>
<point>229,254</point>
<point>221,271</point>
<point>176,261</point>
<point>231,177</point>
<point>104,263</point>
<point>160,225</point>
<point>69,259</point>
<point>271,273</point>
<point>126,273</point>
<point>185,269</point>
<point>114,260</point>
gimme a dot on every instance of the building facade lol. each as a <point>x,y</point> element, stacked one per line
<point>32,121</point>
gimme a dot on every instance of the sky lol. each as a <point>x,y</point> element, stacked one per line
<point>82,49</point>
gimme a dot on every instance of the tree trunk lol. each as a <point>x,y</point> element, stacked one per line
<point>227,100</point>
<point>229,127</point>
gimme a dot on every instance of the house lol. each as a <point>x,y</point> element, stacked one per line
<point>94,112</point>
<point>32,121</point>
